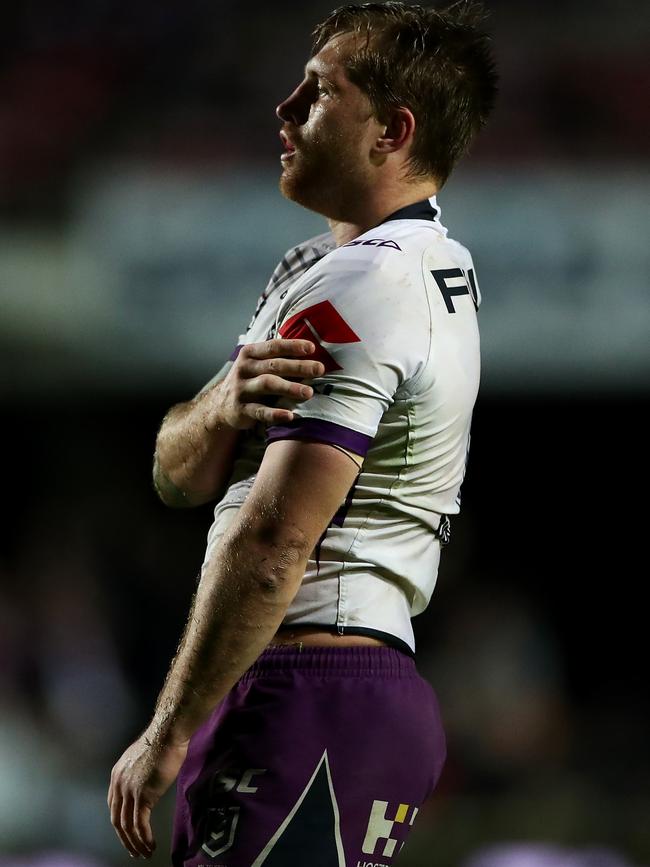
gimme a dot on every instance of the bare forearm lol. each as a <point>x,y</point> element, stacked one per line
<point>194,453</point>
<point>241,600</point>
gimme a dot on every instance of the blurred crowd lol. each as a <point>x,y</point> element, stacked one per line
<point>96,580</point>
<point>191,82</point>
<point>547,726</point>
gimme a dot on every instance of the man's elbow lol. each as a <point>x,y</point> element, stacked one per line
<point>282,560</point>
<point>174,497</point>
<point>179,500</point>
<point>275,556</point>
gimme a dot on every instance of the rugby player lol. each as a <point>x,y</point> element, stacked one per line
<point>335,443</point>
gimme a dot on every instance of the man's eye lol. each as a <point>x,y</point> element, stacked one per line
<point>322,91</point>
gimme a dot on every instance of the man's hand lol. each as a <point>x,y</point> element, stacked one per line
<point>197,440</point>
<point>265,369</point>
<point>138,780</point>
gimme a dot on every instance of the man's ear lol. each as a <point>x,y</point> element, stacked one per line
<point>398,132</point>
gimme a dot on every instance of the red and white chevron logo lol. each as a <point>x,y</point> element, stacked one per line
<point>321,323</point>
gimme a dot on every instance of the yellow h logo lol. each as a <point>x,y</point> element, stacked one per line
<point>381,828</point>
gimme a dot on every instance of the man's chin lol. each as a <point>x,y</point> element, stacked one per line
<point>296,189</point>
<point>307,185</point>
<point>287,185</point>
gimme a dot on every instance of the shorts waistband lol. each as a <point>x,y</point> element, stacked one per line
<point>358,660</point>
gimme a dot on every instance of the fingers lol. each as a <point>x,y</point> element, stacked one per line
<point>287,367</point>
<point>262,372</point>
<point>117,810</point>
<point>142,827</point>
<point>278,347</point>
<point>268,415</point>
<point>259,359</point>
<point>126,825</point>
<point>132,822</point>
<point>269,384</point>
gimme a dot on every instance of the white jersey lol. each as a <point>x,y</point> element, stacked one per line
<point>393,318</point>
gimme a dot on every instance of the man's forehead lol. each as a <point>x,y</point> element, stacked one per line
<point>332,56</point>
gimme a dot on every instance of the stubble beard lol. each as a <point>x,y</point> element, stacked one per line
<point>307,181</point>
<point>324,182</point>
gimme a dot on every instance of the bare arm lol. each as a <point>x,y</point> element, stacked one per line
<point>243,595</point>
<point>197,440</point>
<point>255,573</point>
<point>194,452</point>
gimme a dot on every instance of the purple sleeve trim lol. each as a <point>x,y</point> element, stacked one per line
<point>235,352</point>
<point>322,432</point>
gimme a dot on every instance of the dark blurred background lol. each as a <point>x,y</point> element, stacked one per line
<point>139,221</point>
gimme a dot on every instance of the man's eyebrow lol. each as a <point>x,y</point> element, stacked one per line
<point>315,70</point>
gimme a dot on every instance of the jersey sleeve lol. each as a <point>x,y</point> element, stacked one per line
<point>293,264</point>
<point>371,335</point>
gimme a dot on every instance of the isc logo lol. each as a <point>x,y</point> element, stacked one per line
<point>321,323</point>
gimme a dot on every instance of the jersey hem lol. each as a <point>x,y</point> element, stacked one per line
<point>390,639</point>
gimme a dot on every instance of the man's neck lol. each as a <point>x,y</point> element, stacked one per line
<point>377,211</point>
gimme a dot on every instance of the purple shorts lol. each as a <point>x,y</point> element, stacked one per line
<point>320,756</point>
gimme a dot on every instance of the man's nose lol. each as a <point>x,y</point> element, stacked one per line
<point>294,109</point>
<point>281,110</point>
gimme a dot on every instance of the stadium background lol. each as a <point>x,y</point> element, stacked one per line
<point>139,220</point>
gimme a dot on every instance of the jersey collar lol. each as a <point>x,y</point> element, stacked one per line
<point>427,209</point>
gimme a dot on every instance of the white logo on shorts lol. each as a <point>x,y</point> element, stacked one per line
<point>222,821</point>
<point>222,824</point>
